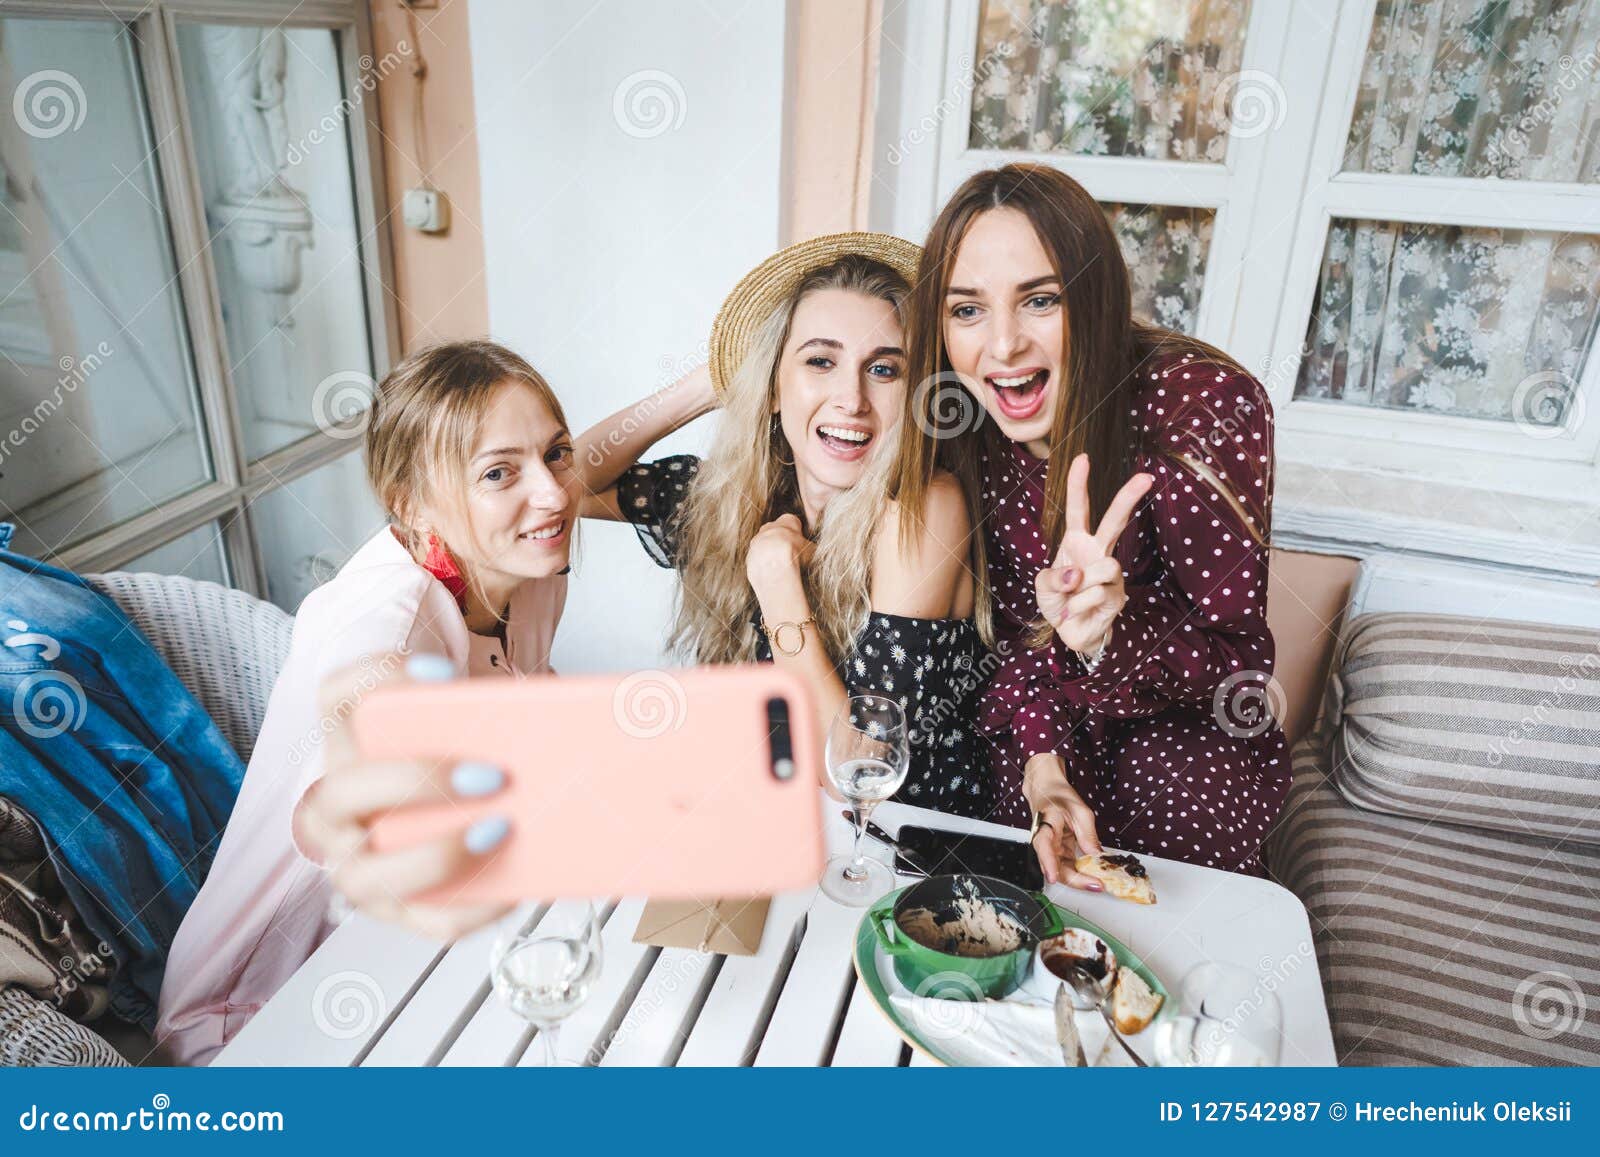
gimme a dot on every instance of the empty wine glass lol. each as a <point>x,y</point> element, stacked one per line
<point>545,973</point>
<point>868,755</point>
<point>1225,1016</point>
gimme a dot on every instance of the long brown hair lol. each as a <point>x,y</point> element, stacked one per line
<point>748,479</point>
<point>1105,350</point>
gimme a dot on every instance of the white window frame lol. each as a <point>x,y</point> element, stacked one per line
<point>237,482</point>
<point>1274,199</point>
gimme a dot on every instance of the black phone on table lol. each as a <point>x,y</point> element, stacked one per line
<point>940,853</point>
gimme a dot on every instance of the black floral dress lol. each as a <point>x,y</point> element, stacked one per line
<point>934,668</point>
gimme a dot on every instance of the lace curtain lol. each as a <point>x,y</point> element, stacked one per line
<point>1480,88</point>
<point>1125,78</point>
<point>1484,323</point>
<point>1165,247</point>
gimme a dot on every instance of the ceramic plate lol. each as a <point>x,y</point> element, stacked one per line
<point>875,970</point>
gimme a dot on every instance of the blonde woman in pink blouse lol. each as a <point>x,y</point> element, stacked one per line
<point>468,451</point>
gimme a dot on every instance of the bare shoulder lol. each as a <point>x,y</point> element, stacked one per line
<point>920,565</point>
<point>944,521</point>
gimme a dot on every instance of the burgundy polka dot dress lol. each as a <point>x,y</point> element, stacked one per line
<point>1167,735</point>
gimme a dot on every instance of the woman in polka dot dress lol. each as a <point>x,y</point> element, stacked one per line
<point>786,547</point>
<point>1121,475</point>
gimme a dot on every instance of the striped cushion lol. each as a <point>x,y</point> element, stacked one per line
<point>1471,721</point>
<point>1442,945</point>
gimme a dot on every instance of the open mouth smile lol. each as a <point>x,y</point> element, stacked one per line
<point>846,442</point>
<point>1021,395</point>
<point>550,535</point>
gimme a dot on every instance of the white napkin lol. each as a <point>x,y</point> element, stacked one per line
<point>1020,1030</point>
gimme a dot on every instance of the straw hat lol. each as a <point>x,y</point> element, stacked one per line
<point>770,284</point>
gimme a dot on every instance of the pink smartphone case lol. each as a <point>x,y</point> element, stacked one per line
<point>658,783</point>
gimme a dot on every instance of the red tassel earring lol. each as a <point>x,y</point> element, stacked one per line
<point>443,567</point>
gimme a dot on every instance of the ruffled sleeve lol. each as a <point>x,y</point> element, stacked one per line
<point>651,495</point>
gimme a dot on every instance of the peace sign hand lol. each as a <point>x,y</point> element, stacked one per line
<point>1081,593</point>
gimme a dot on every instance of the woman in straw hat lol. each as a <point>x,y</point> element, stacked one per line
<point>784,543</point>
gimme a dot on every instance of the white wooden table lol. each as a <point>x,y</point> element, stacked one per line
<point>374,994</point>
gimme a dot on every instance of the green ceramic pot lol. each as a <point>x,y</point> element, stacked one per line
<point>930,972</point>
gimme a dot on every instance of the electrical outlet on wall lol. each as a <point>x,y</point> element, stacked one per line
<point>426,210</point>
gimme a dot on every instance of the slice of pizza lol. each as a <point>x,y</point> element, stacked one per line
<point>1123,875</point>
<point>1133,1003</point>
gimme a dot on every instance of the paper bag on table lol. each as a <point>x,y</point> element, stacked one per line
<point>730,927</point>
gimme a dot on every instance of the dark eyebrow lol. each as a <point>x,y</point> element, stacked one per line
<point>826,342</point>
<point>514,451</point>
<point>963,291</point>
<point>887,351</point>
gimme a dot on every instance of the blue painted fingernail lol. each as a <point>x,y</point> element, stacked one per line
<point>430,668</point>
<point>486,834</point>
<point>473,778</point>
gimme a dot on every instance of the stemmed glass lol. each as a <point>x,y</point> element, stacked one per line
<point>1226,1016</point>
<point>868,755</point>
<point>544,974</point>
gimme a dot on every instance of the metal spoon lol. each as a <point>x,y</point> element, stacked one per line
<point>1088,994</point>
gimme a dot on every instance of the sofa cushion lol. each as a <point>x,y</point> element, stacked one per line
<point>1483,722</point>
<point>1439,944</point>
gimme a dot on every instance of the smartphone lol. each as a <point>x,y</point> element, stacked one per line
<point>942,853</point>
<point>674,784</point>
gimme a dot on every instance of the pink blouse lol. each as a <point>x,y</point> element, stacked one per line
<point>264,907</point>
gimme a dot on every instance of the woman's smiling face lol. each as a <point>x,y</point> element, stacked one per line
<point>841,385</point>
<point>1005,327</point>
<point>521,492</point>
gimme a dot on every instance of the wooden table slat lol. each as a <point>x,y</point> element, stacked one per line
<point>746,989</point>
<point>867,1038</point>
<point>446,1000</point>
<point>653,1031</point>
<point>813,999</point>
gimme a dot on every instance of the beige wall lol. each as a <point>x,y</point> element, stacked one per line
<point>832,70</point>
<point>438,279</point>
<point>1305,599</point>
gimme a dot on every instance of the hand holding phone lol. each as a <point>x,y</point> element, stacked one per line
<point>684,784</point>
<point>332,824</point>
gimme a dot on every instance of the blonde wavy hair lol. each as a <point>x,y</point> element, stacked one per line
<point>748,479</point>
<point>426,417</point>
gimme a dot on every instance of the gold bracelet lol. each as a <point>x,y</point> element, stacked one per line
<point>774,635</point>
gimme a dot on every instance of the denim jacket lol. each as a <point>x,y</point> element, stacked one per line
<point>124,772</point>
